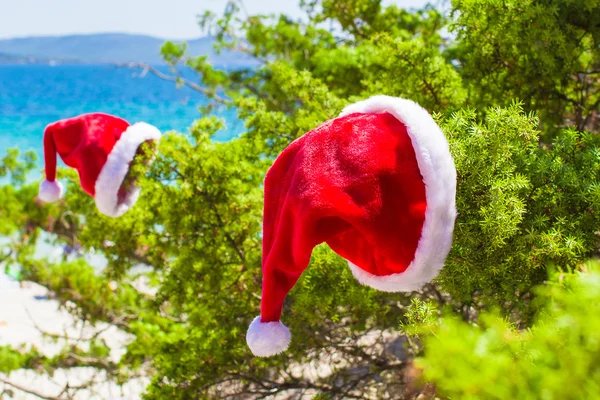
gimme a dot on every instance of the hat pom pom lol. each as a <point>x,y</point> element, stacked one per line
<point>50,191</point>
<point>267,339</point>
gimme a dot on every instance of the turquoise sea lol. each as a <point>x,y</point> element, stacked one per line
<point>31,96</point>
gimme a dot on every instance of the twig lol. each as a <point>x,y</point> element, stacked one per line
<point>86,385</point>
<point>220,222</point>
<point>6,256</point>
<point>65,336</point>
<point>243,8</point>
<point>438,296</point>
<point>29,391</point>
<point>148,68</point>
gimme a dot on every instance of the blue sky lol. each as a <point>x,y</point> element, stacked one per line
<point>175,19</point>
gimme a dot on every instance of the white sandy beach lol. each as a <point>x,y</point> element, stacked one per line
<point>25,311</point>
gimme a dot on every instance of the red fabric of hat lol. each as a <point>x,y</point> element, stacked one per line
<point>378,185</point>
<point>100,147</point>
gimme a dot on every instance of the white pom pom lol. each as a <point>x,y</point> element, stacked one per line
<point>266,339</point>
<point>50,191</point>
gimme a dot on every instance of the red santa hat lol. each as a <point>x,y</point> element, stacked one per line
<point>100,147</point>
<point>378,185</point>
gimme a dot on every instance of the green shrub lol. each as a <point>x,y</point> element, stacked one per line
<point>521,207</point>
<point>557,358</point>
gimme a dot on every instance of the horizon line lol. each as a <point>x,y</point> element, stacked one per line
<point>49,36</point>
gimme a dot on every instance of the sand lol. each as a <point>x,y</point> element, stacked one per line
<point>25,311</point>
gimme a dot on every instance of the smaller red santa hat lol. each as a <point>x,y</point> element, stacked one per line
<point>378,185</point>
<point>100,147</point>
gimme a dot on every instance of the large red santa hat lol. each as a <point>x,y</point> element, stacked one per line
<point>100,147</point>
<point>378,185</point>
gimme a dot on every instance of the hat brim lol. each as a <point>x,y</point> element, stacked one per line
<point>439,176</point>
<point>115,170</point>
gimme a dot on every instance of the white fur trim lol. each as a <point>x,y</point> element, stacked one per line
<point>116,167</point>
<point>267,339</point>
<point>439,176</point>
<point>50,191</point>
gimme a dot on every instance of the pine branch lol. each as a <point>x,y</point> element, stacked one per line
<point>175,78</point>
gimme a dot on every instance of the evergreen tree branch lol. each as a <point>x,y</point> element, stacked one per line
<point>177,79</point>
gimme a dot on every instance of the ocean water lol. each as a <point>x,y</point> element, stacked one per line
<point>32,96</point>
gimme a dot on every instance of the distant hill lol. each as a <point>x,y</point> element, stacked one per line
<point>12,59</point>
<point>105,48</point>
<point>17,59</point>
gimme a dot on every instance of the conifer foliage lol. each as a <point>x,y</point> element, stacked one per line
<point>515,86</point>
